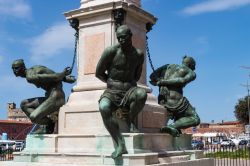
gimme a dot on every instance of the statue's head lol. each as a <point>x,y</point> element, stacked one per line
<point>19,68</point>
<point>189,62</point>
<point>124,36</point>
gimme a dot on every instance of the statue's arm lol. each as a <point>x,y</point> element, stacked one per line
<point>140,66</point>
<point>104,63</point>
<point>190,76</point>
<point>48,77</point>
<point>156,75</point>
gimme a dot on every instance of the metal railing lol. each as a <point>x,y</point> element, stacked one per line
<point>228,155</point>
<point>6,154</point>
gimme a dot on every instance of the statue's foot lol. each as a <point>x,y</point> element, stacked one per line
<point>119,151</point>
<point>170,130</point>
<point>133,129</point>
<point>50,128</point>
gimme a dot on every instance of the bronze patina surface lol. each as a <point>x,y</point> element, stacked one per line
<point>40,109</point>
<point>171,79</point>
<point>120,66</point>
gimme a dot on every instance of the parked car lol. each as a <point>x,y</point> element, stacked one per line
<point>227,143</point>
<point>19,146</point>
<point>197,144</point>
<point>215,142</point>
<point>243,142</point>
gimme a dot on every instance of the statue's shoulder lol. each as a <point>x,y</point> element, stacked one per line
<point>172,66</point>
<point>139,53</point>
<point>189,71</point>
<point>38,69</point>
<point>112,49</point>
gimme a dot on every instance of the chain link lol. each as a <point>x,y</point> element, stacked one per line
<point>75,51</point>
<point>149,56</point>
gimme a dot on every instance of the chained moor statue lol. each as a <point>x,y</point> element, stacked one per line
<point>171,79</point>
<point>120,66</point>
<point>39,109</point>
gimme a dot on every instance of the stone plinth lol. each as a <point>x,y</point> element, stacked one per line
<point>103,144</point>
<point>143,149</point>
<point>77,159</point>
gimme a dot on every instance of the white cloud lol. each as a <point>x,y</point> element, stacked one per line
<point>214,6</point>
<point>52,42</point>
<point>15,8</point>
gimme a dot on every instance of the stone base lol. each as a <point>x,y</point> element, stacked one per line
<point>103,144</point>
<point>76,150</point>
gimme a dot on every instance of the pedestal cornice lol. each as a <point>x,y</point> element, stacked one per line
<point>91,11</point>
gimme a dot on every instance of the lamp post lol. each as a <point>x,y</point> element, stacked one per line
<point>247,126</point>
<point>247,86</point>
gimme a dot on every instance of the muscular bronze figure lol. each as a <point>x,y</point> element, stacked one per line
<point>38,109</point>
<point>120,66</point>
<point>171,80</point>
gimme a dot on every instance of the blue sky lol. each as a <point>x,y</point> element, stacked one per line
<point>215,32</point>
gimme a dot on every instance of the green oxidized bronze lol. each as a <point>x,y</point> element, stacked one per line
<point>120,66</point>
<point>171,80</point>
<point>40,109</point>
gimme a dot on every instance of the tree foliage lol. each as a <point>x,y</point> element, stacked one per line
<point>241,110</point>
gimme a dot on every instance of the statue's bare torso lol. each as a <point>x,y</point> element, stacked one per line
<point>174,92</point>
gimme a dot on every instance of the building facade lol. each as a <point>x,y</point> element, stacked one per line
<point>16,114</point>
<point>16,130</point>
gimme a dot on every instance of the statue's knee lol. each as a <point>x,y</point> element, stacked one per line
<point>141,95</point>
<point>33,118</point>
<point>105,108</point>
<point>23,104</point>
<point>197,120</point>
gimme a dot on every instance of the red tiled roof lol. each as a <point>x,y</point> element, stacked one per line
<point>13,121</point>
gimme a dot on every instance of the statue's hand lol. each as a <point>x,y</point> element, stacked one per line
<point>154,83</point>
<point>159,83</point>
<point>67,71</point>
<point>69,79</point>
<point>170,115</point>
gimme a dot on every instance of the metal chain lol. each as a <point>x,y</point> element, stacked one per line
<point>75,51</point>
<point>149,56</point>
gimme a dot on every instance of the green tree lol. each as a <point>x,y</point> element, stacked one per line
<point>241,110</point>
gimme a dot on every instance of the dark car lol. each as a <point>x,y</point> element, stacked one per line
<point>243,142</point>
<point>197,144</point>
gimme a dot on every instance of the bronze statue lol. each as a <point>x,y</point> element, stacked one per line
<point>120,66</point>
<point>39,109</point>
<point>171,80</point>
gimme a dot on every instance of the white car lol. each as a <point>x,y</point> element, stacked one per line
<point>227,143</point>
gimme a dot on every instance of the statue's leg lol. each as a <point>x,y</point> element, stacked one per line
<point>136,101</point>
<point>190,118</point>
<point>40,114</point>
<point>29,105</point>
<point>106,108</point>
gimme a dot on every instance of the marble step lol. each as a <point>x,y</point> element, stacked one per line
<point>196,162</point>
<point>174,159</point>
<point>88,159</point>
<point>105,159</point>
